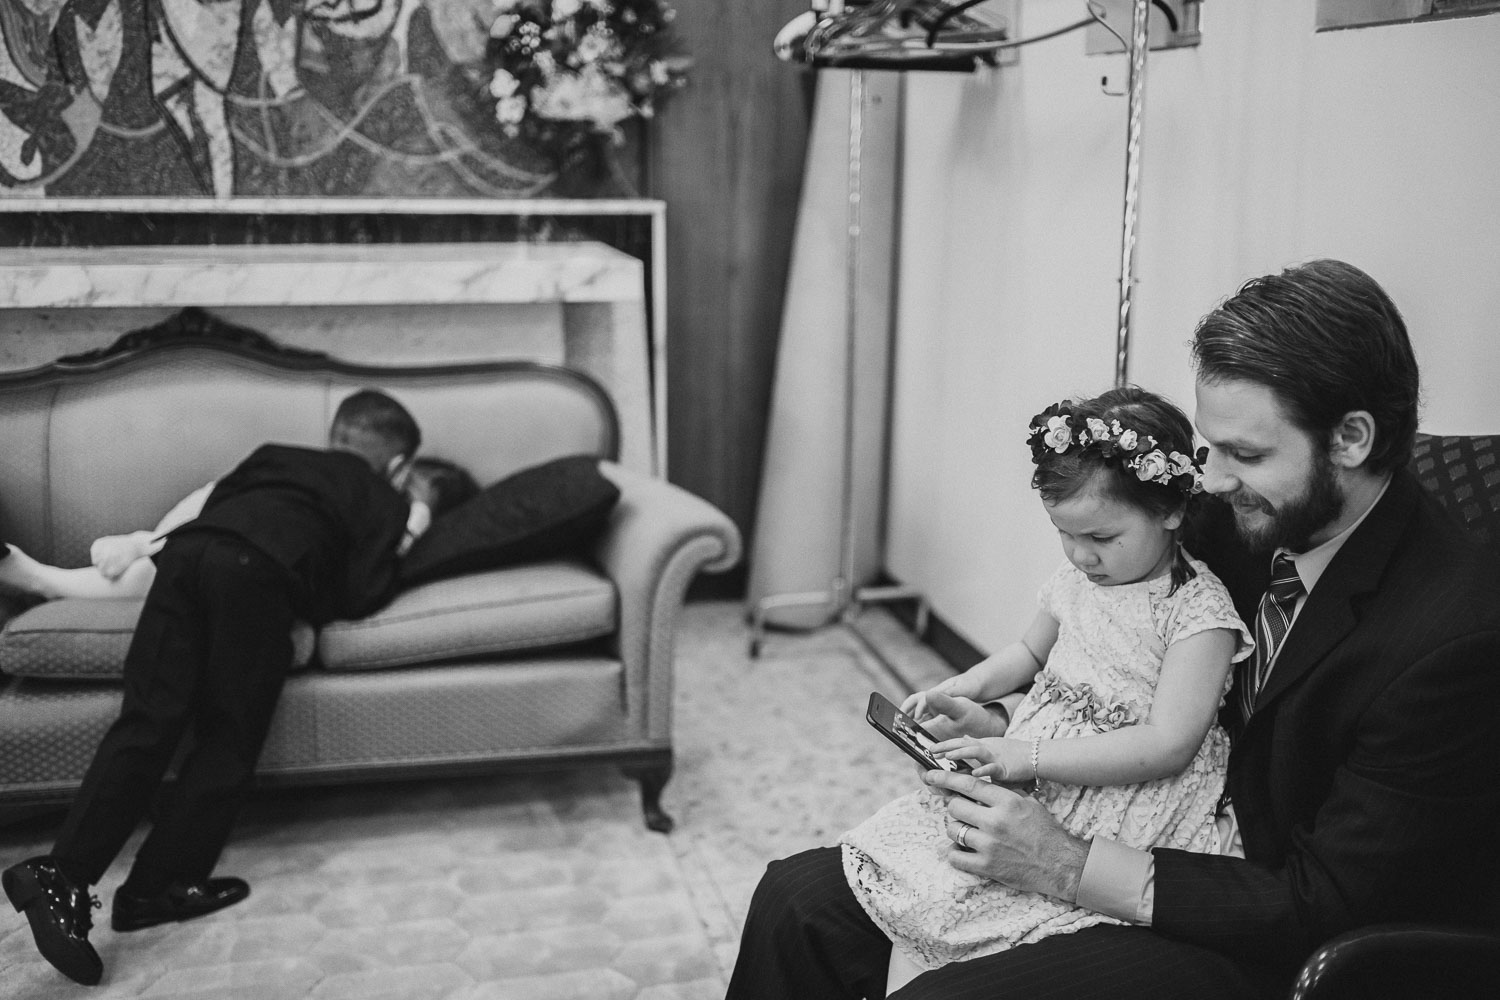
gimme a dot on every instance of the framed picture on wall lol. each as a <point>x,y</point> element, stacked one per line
<point>1335,14</point>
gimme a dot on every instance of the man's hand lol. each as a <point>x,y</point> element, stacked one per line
<point>113,554</point>
<point>1012,839</point>
<point>952,717</point>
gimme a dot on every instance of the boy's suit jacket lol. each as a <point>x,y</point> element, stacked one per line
<point>330,522</point>
<point>1365,782</point>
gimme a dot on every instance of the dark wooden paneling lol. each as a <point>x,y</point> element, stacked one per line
<point>727,159</point>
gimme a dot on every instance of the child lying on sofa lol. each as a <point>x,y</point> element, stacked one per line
<point>121,565</point>
<point>291,533</point>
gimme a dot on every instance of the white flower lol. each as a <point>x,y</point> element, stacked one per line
<point>587,96</point>
<point>501,6</point>
<point>602,6</point>
<point>545,63</point>
<point>660,75</point>
<point>509,111</point>
<point>503,85</point>
<point>564,9</point>
<point>1059,434</point>
<point>1097,428</point>
<point>1181,464</point>
<point>1150,466</point>
<point>502,26</point>
<point>591,46</point>
<point>1127,440</point>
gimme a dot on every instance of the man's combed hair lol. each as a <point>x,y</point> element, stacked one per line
<point>1326,340</point>
<point>373,412</point>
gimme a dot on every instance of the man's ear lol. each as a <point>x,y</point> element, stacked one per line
<point>1352,440</point>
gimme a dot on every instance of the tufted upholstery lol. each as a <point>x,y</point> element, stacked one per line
<point>1462,473</point>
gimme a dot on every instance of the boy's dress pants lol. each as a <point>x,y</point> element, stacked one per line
<point>209,656</point>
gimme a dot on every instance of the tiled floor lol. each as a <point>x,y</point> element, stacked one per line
<point>547,886</point>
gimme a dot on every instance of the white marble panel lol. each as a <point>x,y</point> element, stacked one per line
<point>318,274</point>
<point>581,304</point>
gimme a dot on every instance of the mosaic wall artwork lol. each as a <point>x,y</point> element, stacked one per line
<point>257,98</point>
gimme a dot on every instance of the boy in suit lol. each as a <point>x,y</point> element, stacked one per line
<point>1361,782</point>
<point>291,533</point>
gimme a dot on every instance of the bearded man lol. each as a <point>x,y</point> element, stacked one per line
<point>1361,784</point>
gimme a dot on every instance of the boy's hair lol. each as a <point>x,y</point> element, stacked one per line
<point>376,426</point>
<point>450,483</point>
<point>1063,476</point>
<point>1325,339</point>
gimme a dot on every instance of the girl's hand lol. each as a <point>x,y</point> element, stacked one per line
<point>918,705</point>
<point>1003,760</point>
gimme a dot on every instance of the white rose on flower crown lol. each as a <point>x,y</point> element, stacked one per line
<point>1059,434</point>
<point>1150,466</point>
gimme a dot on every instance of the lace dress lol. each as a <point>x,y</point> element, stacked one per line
<point>1100,676</point>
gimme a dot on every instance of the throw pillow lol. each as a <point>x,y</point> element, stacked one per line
<point>547,510</point>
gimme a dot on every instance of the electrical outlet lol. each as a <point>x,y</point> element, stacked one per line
<point>1160,31</point>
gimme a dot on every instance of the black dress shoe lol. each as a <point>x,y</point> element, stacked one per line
<point>181,901</point>
<point>59,914</point>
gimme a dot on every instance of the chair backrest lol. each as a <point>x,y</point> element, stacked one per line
<point>1463,473</point>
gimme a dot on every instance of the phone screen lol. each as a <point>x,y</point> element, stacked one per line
<point>904,731</point>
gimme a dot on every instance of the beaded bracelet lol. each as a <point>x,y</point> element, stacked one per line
<point>1036,749</point>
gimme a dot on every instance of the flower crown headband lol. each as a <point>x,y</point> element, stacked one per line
<point>1053,430</point>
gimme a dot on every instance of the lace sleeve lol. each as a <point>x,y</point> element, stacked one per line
<point>1201,604</point>
<point>1046,597</point>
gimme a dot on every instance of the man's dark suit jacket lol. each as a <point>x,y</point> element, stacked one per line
<point>1365,782</point>
<point>330,522</point>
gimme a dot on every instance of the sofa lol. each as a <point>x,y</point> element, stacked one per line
<point>559,661</point>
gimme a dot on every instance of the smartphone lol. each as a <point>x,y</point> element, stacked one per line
<point>904,731</point>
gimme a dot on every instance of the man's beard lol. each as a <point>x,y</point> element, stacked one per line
<point>1291,526</point>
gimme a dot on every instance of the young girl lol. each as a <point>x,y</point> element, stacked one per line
<point>1128,658</point>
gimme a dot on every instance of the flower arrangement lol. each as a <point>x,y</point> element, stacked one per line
<point>1054,430</point>
<point>565,74</point>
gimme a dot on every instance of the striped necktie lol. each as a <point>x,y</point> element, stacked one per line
<point>1271,623</point>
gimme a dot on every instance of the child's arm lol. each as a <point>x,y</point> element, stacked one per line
<point>418,520</point>
<point>1182,710</point>
<point>112,555</point>
<point>997,675</point>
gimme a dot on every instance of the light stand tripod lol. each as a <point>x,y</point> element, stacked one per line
<point>843,598</point>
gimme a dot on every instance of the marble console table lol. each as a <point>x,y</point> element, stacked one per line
<point>577,303</point>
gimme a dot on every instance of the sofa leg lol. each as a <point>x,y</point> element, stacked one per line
<point>653,778</point>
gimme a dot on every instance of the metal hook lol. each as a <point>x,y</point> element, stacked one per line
<point>1104,86</point>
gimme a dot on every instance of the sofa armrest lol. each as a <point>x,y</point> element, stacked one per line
<point>659,537</point>
<point>1402,960</point>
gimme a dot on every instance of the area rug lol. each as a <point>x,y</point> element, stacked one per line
<point>543,887</point>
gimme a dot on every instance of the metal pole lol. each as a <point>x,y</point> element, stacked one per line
<point>843,586</point>
<point>1137,100</point>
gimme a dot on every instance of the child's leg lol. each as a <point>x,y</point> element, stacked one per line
<point>248,616</point>
<point>161,679</point>
<point>25,574</point>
